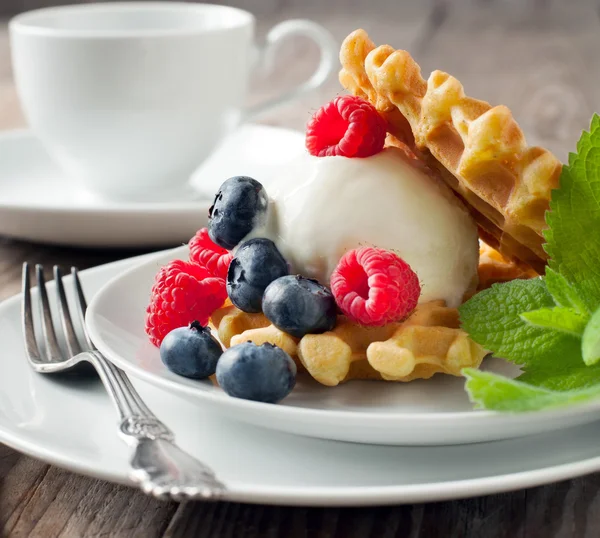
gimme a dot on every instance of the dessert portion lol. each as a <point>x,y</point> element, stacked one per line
<point>355,261</point>
<point>478,150</point>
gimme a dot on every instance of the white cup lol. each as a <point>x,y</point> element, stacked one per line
<point>129,98</point>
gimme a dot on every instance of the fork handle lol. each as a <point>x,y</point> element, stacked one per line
<point>137,421</point>
<point>158,465</point>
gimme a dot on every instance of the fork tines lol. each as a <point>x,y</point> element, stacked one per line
<point>51,353</point>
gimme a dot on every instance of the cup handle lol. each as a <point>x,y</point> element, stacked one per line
<point>295,27</point>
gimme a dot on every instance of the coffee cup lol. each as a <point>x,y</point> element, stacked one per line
<point>129,98</point>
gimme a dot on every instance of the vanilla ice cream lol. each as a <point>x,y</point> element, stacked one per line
<point>325,206</point>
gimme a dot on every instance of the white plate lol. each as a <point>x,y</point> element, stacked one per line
<point>432,412</point>
<point>74,425</point>
<point>38,203</point>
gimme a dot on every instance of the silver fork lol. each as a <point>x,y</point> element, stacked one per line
<point>158,465</point>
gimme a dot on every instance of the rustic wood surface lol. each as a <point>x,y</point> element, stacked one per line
<point>540,57</point>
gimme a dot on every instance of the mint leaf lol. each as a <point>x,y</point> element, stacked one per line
<point>564,377</point>
<point>492,319</point>
<point>559,318</point>
<point>548,358</point>
<point>573,239</point>
<point>491,391</point>
<point>563,293</point>
<point>590,344</point>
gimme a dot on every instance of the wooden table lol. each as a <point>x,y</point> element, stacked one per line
<point>539,57</point>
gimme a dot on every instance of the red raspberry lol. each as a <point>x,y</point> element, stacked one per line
<point>183,292</point>
<point>373,286</point>
<point>204,252</point>
<point>348,126</point>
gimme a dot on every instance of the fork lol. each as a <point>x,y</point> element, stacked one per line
<point>158,465</point>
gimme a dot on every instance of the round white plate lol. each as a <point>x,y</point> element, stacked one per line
<point>38,203</point>
<point>73,424</point>
<point>432,412</point>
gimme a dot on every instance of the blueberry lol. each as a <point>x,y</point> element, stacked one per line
<point>299,306</point>
<point>240,206</point>
<point>262,373</point>
<point>256,264</point>
<point>191,351</point>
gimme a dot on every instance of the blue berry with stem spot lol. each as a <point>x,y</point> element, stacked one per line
<point>191,351</point>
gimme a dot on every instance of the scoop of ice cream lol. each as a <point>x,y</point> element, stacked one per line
<point>326,206</point>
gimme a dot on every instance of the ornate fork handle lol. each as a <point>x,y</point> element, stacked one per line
<point>158,465</point>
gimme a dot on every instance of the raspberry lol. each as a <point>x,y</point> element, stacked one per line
<point>183,292</point>
<point>212,257</point>
<point>348,126</point>
<point>373,286</point>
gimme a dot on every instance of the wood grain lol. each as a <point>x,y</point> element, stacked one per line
<point>44,501</point>
<point>540,57</point>
<point>563,510</point>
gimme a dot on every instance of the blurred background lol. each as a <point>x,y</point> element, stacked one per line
<point>539,57</point>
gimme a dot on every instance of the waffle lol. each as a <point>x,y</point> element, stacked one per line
<point>428,342</point>
<point>479,150</point>
<point>229,321</point>
<point>494,268</point>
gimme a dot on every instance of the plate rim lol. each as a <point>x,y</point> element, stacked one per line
<point>342,495</point>
<point>308,496</point>
<point>474,416</point>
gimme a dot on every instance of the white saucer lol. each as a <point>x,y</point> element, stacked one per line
<point>38,203</point>
<point>432,412</point>
<point>74,425</point>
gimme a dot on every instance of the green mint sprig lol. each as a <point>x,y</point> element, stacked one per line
<point>573,236</point>
<point>549,326</point>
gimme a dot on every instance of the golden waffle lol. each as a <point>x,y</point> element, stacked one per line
<point>272,335</point>
<point>428,342</point>
<point>494,268</point>
<point>479,150</point>
<point>340,355</point>
<point>229,321</point>
<point>418,352</point>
